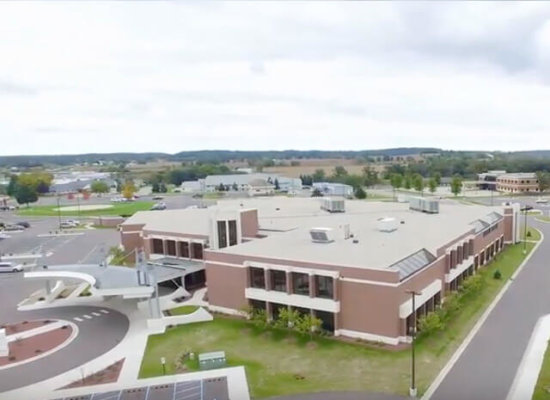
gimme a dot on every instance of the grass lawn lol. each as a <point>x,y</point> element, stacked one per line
<point>183,310</point>
<point>543,218</point>
<point>275,360</point>
<point>542,389</point>
<point>116,209</point>
<point>532,233</point>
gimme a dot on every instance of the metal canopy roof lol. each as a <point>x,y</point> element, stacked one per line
<point>207,389</point>
<point>413,263</point>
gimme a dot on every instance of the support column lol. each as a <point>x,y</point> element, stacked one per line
<point>164,247</point>
<point>335,289</point>
<point>267,277</point>
<point>178,248</point>
<point>269,311</point>
<point>312,285</point>
<point>190,250</point>
<point>289,282</point>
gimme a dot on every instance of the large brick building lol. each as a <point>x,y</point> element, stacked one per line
<point>525,182</point>
<point>352,270</point>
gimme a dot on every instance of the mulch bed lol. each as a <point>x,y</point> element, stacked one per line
<point>34,346</point>
<point>107,375</point>
<point>23,326</point>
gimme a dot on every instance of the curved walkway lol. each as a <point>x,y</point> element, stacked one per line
<point>97,334</point>
<point>488,365</point>
<point>340,396</point>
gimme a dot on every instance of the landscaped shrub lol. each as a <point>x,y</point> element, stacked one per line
<point>497,274</point>
<point>451,305</point>
<point>430,323</point>
<point>528,233</point>
<point>472,285</point>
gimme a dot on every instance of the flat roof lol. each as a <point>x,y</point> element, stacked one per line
<point>375,249</point>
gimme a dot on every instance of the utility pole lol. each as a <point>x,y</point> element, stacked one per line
<point>412,389</point>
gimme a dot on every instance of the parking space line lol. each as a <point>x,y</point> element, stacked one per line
<point>87,316</point>
<point>104,311</point>
<point>78,319</point>
<point>96,314</point>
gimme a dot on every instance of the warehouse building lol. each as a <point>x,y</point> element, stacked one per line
<point>351,269</point>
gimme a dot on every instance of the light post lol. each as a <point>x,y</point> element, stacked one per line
<point>163,362</point>
<point>525,209</point>
<point>58,212</point>
<point>412,389</point>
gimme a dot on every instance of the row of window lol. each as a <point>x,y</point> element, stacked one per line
<point>223,228</point>
<point>185,251</point>
<point>327,318</point>
<point>299,282</point>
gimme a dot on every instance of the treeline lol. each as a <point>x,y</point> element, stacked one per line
<point>339,174</point>
<point>176,176</point>
<point>26,187</point>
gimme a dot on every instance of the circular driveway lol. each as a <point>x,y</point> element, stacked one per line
<point>100,329</point>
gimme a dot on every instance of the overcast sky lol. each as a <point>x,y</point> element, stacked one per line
<point>151,76</point>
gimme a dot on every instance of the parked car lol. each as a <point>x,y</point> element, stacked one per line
<point>158,198</point>
<point>159,206</point>
<point>24,224</point>
<point>4,236</point>
<point>197,196</point>
<point>67,225</point>
<point>13,228</point>
<point>541,200</point>
<point>6,266</point>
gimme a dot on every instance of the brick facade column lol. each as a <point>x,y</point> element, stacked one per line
<point>312,285</point>
<point>164,247</point>
<point>178,248</point>
<point>288,276</point>
<point>267,277</point>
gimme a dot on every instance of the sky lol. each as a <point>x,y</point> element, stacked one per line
<point>81,77</point>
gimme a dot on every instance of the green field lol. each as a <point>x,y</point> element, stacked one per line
<point>542,389</point>
<point>280,362</point>
<point>116,209</point>
<point>543,218</point>
<point>183,310</point>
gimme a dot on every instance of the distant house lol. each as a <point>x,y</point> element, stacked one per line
<point>260,187</point>
<point>241,182</point>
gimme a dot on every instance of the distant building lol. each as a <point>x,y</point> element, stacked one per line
<point>334,189</point>
<point>75,181</point>
<point>260,187</point>
<point>525,182</point>
<point>487,180</point>
<point>191,186</point>
<point>241,182</point>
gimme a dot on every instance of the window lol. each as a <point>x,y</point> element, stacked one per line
<point>184,249</point>
<point>197,251</point>
<point>327,320</point>
<point>158,247</point>
<point>258,305</point>
<point>324,286</point>
<point>257,278</point>
<point>222,234</point>
<point>300,283</point>
<point>171,247</point>
<point>232,232</point>
<point>278,281</point>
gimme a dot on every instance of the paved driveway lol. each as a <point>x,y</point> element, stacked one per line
<point>487,367</point>
<point>96,335</point>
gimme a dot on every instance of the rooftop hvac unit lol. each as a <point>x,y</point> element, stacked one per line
<point>321,235</point>
<point>386,224</point>
<point>430,206</point>
<point>332,205</point>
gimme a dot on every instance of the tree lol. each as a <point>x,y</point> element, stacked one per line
<point>25,194</point>
<point>396,181</point>
<point>128,190</point>
<point>276,183</point>
<point>437,177</point>
<point>339,171</point>
<point>360,193</point>
<point>155,187</point>
<point>418,183</point>
<point>220,187</point>
<point>543,179</point>
<point>456,185</point>
<point>407,181</point>
<point>235,187</point>
<point>432,184</point>
<point>288,318</point>
<point>99,187</point>
<point>12,186</point>
<point>318,175</point>
<point>430,323</point>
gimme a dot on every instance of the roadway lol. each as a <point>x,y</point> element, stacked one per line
<point>487,367</point>
<point>95,337</point>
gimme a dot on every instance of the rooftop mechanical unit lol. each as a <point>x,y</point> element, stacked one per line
<point>386,224</point>
<point>422,204</point>
<point>333,205</point>
<point>321,235</point>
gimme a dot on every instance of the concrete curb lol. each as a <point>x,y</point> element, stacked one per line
<point>456,355</point>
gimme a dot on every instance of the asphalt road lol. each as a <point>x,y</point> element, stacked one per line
<point>487,367</point>
<point>96,336</point>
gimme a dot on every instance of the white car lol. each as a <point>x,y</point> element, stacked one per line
<point>541,200</point>
<point>10,267</point>
<point>67,224</point>
<point>4,236</point>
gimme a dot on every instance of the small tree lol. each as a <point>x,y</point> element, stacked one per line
<point>155,187</point>
<point>407,181</point>
<point>309,324</point>
<point>456,185</point>
<point>220,187</point>
<point>12,186</point>
<point>430,323</point>
<point>276,183</point>
<point>432,184</point>
<point>543,180</point>
<point>288,318</point>
<point>437,178</point>
<point>360,193</point>
<point>128,190</point>
<point>396,181</point>
<point>259,318</point>
<point>100,187</point>
<point>418,183</point>
<point>235,187</point>
<point>497,274</point>
<point>25,194</point>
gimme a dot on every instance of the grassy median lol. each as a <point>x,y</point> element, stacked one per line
<point>278,362</point>
<point>542,389</point>
<point>124,209</point>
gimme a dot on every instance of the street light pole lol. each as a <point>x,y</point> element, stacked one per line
<point>412,389</point>
<point>58,212</point>
<point>525,232</point>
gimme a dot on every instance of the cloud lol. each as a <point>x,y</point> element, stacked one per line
<point>165,76</point>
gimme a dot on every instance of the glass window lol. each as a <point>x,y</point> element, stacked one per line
<point>171,247</point>
<point>257,278</point>
<point>232,232</point>
<point>324,286</point>
<point>222,234</point>
<point>197,251</point>
<point>300,283</point>
<point>278,280</point>
<point>157,246</point>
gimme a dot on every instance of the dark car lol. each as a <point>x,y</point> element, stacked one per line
<point>24,224</point>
